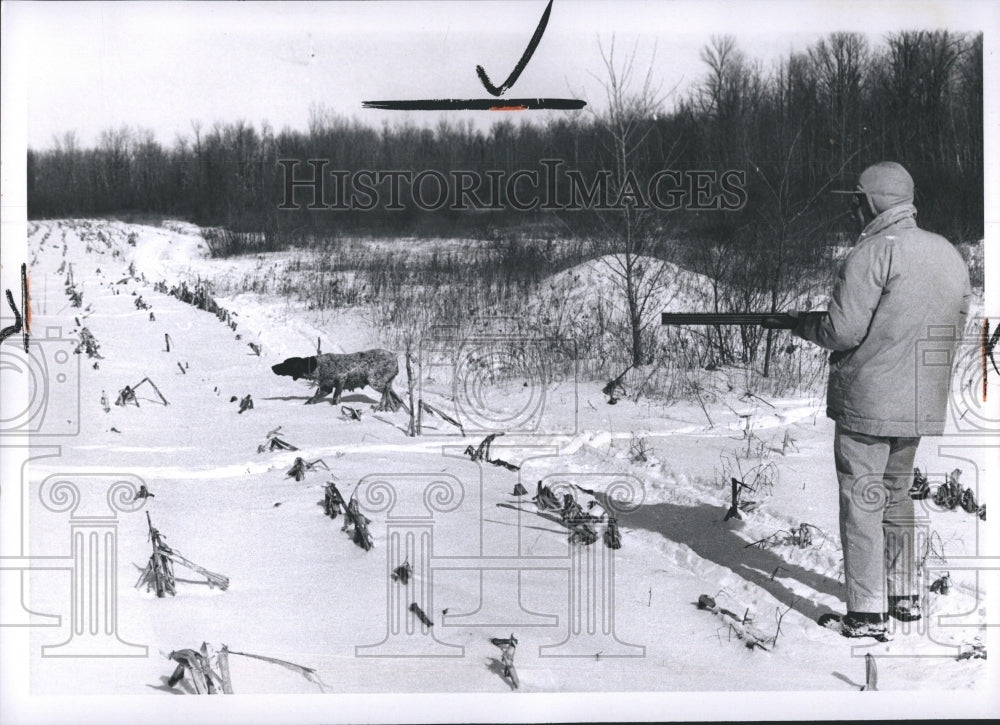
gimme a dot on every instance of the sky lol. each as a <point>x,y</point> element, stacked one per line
<point>89,67</point>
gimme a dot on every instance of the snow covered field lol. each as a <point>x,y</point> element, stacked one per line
<point>487,563</point>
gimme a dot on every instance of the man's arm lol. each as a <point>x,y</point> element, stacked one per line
<point>856,294</point>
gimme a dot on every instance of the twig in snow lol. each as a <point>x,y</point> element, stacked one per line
<point>333,501</point>
<point>871,674</point>
<point>196,664</point>
<point>127,394</point>
<point>159,572</point>
<point>307,672</point>
<point>508,647</point>
<point>299,468</point>
<point>88,344</point>
<point>415,608</point>
<point>615,384</point>
<point>482,453</point>
<point>274,443</point>
<point>697,392</point>
<point>434,411</point>
<point>942,585</point>
<point>612,537</point>
<point>733,510</point>
<point>748,394</point>
<point>357,523</point>
<point>402,573</point>
<point>780,616</point>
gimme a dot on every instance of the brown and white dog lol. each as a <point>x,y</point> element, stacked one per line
<point>336,373</point>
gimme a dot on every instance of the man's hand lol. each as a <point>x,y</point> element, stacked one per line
<point>786,321</point>
<point>807,326</point>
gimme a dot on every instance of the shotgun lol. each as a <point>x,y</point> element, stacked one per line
<point>778,320</point>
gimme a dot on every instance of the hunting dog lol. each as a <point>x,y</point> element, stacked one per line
<point>335,373</point>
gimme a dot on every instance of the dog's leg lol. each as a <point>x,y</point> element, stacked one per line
<point>336,395</point>
<point>389,401</point>
<point>321,393</point>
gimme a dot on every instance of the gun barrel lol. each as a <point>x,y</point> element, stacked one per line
<point>721,318</point>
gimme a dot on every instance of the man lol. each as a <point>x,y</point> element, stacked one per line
<point>899,306</point>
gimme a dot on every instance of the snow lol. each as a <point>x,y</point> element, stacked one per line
<point>302,591</point>
<point>577,302</point>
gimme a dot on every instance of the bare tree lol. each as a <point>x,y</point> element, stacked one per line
<point>789,221</point>
<point>840,66</point>
<point>765,125</point>
<point>733,86</point>
<point>633,105</point>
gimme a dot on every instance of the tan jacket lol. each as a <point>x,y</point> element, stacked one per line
<point>899,308</point>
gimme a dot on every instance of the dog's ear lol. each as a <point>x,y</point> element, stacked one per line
<point>288,367</point>
<point>302,367</point>
<point>295,367</point>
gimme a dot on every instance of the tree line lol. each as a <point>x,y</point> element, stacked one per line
<point>805,125</point>
<point>771,142</point>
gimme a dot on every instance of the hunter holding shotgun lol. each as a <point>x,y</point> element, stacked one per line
<point>898,309</point>
<point>897,312</point>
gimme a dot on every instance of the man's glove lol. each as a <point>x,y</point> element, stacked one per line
<point>786,321</point>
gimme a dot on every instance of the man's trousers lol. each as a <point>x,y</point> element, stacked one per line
<point>876,517</point>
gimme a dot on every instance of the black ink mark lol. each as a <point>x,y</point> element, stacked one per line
<point>16,327</point>
<point>19,322</point>
<point>479,104</point>
<point>528,52</point>
<point>989,345</point>
<point>491,104</point>
<point>25,303</point>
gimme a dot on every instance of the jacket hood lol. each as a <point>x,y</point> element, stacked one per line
<point>886,184</point>
<point>887,218</point>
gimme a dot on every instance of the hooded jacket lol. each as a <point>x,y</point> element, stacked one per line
<point>898,310</point>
